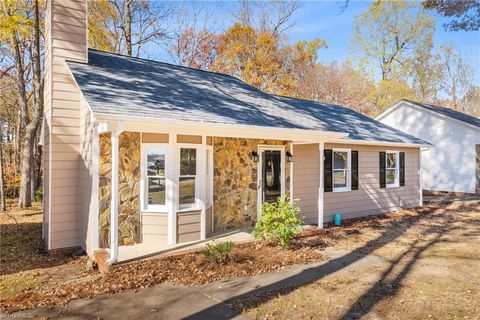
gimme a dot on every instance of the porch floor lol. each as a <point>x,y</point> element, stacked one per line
<point>148,250</point>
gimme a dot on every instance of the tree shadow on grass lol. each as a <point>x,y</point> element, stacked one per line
<point>259,296</point>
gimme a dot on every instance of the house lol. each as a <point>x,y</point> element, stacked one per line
<point>453,164</point>
<point>138,151</point>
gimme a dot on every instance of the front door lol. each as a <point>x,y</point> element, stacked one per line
<point>271,174</point>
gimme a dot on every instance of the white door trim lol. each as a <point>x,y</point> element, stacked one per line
<point>260,149</point>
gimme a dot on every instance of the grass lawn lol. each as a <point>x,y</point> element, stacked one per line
<point>431,270</point>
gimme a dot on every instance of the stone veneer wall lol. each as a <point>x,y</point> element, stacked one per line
<point>104,189</point>
<point>129,223</point>
<point>235,181</point>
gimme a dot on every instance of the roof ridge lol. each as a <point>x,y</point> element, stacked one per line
<point>161,62</point>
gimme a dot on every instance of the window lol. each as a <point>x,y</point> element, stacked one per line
<point>155,177</point>
<point>391,169</point>
<point>341,170</point>
<point>187,180</point>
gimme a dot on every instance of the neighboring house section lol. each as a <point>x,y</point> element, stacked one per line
<point>148,154</point>
<point>452,164</point>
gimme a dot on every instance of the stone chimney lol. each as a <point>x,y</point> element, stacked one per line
<point>65,39</point>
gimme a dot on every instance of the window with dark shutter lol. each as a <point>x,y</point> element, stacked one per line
<point>402,169</point>
<point>327,171</point>
<point>354,170</point>
<point>382,157</point>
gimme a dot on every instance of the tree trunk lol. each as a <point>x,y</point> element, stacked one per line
<point>128,27</point>
<point>25,196</point>
<point>2,185</point>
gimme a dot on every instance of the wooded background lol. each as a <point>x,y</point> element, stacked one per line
<point>393,57</point>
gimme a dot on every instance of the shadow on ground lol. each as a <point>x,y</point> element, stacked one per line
<point>385,287</point>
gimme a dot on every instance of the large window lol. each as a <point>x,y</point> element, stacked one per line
<point>341,170</point>
<point>391,169</point>
<point>187,179</point>
<point>155,177</point>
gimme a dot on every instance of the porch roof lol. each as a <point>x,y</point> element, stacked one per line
<point>125,86</point>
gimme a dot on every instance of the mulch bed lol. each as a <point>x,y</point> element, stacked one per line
<point>188,269</point>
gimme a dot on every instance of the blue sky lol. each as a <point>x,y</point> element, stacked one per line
<point>323,19</point>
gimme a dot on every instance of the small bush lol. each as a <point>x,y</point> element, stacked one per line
<point>219,252</point>
<point>279,222</point>
<point>39,195</point>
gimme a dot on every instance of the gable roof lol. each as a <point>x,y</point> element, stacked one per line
<point>125,86</point>
<point>457,115</point>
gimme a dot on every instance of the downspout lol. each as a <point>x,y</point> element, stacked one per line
<point>114,195</point>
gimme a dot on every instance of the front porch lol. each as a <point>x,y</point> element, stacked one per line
<point>164,191</point>
<point>145,250</point>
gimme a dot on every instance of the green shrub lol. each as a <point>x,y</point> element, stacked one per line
<point>39,194</point>
<point>279,222</point>
<point>219,252</point>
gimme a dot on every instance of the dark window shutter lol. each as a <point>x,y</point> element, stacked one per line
<point>354,170</point>
<point>382,170</point>
<point>327,171</point>
<point>402,169</point>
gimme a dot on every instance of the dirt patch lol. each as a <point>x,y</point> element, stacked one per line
<point>189,269</point>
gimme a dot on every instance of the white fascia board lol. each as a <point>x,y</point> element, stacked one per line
<point>133,123</point>
<point>379,143</point>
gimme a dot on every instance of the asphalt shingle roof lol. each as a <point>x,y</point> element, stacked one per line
<point>120,85</point>
<point>448,112</point>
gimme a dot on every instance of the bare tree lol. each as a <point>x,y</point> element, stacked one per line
<point>272,16</point>
<point>127,26</point>
<point>456,75</point>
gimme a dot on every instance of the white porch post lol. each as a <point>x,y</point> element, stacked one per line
<point>114,196</point>
<point>172,188</point>
<point>202,160</point>
<point>321,147</point>
<point>95,185</point>
<point>291,174</point>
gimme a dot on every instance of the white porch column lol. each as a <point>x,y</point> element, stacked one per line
<point>114,196</point>
<point>202,174</point>
<point>321,147</point>
<point>95,186</point>
<point>172,187</point>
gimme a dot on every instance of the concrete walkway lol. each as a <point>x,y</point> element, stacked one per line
<point>167,301</point>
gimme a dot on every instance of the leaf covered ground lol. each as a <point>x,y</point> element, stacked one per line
<point>431,270</point>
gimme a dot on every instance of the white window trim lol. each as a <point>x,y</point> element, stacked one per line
<point>198,179</point>
<point>349,170</point>
<point>145,207</point>
<point>396,184</point>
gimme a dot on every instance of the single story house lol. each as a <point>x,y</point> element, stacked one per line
<point>453,164</point>
<point>139,151</point>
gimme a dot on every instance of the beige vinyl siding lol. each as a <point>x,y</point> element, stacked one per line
<point>306,172</point>
<point>370,199</point>
<point>155,228</point>
<point>69,140</point>
<point>208,220</point>
<point>87,212</point>
<point>188,226</point>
